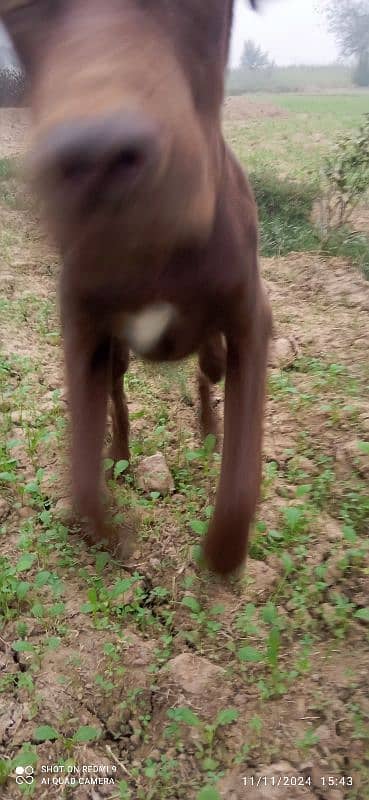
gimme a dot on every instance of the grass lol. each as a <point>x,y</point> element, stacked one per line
<point>294,144</point>
<point>352,246</point>
<point>283,157</point>
<point>285,214</point>
<point>343,109</point>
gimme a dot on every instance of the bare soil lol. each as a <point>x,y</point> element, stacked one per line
<point>240,108</point>
<point>14,125</point>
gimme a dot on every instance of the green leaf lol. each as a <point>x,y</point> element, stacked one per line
<point>185,715</point>
<point>208,793</point>
<point>7,477</point>
<point>209,444</point>
<point>38,610</point>
<point>209,764</point>
<point>45,734</point>
<point>43,578</point>
<point>120,467</point>
<point>248,653</point>
<point>293,517</point>
<point>362,614</point>
<point>227,716</point>
<point>193,455</point>
<point>304,489</point>
<point>32,488</point>
<point>53,642</point>
<point>121,587</point>
<point>137,414</point>
<point>86,734</point>
<point>124,790</point>
<point>287,562</point>
<point>57,609</point>
<point>219,608</point>
<point>25,562</point>
<point>273,647</point>
<point>22,589</point>
<point>22,646</point>
<point>191,603</point>
<point>364,447</point>
<point>102,559</point>
<point>199,527</point>
<point>150,771</point>
<point>87,608</point>
<point>25,758</point>
<point>349,534</point>
<point>197,554</point>
<point>269,613</point>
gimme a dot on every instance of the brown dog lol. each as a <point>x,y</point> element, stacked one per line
<point>156,224</point>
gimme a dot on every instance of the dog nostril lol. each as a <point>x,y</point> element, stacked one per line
<point>130,158</point>
<point>126,163</point>
<point>111,154</point>
<point>74,169</point>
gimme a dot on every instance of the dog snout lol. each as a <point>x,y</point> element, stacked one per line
<point>111,155</point>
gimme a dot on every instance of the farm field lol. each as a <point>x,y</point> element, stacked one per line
<point>182,686</point>
<point>291,137</point>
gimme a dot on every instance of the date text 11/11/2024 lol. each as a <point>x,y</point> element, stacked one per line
<point>326,781</point>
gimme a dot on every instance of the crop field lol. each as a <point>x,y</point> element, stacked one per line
<point>302,78</point>
<point>152,675</point>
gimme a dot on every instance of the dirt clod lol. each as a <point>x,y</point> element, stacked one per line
<point>153,475</point>
<point>260,579</point>
<point>283,352</point>
<point>201,681</point>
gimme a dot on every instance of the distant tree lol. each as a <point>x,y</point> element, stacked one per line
<point>253,57</point>
<point>348,20</point>
<point>361,72</point>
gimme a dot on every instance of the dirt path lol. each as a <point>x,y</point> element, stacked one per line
<point>168,679</point>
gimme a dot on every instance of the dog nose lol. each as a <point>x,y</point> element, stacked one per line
<point>99,154</point>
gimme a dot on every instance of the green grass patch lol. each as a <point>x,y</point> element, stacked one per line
<point>8,169</point>
<point>284,212</point>
<point>341,109</point>
<point>285,215</point>
<point>351,245</point>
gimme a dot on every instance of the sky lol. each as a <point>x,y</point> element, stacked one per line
<point>292,32</point>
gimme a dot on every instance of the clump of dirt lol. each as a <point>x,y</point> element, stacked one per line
<point>240,108</point>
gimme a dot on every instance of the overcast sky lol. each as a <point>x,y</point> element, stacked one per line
<point>292,31</point>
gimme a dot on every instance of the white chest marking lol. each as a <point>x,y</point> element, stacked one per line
<point>145,329</point>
